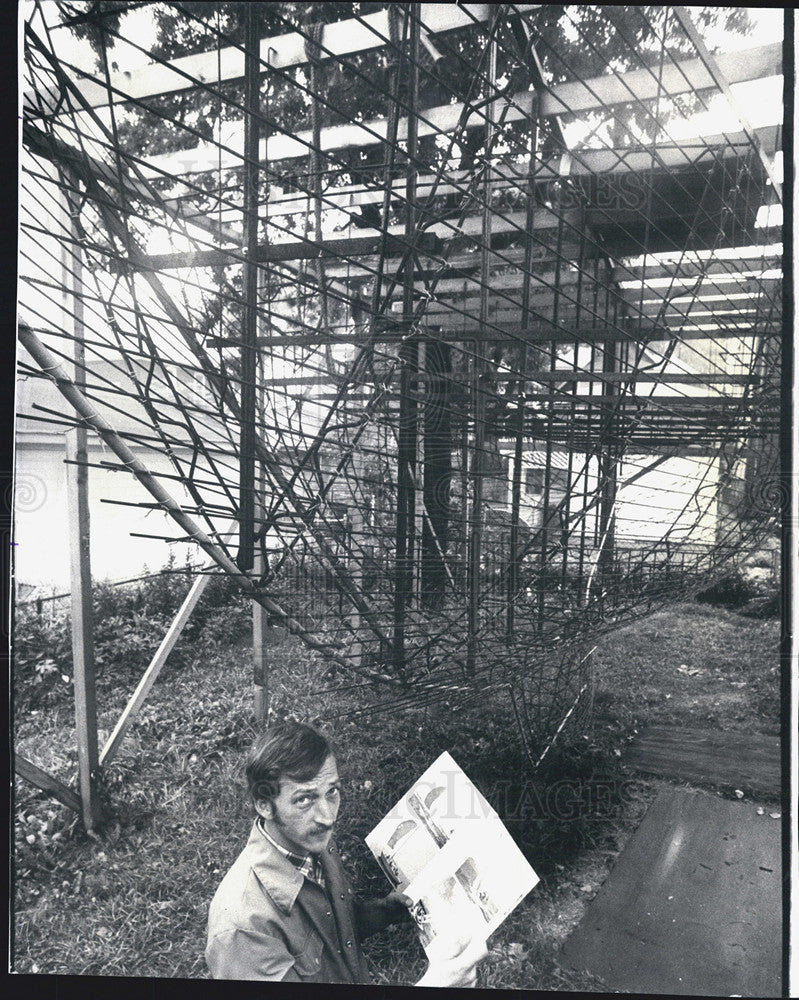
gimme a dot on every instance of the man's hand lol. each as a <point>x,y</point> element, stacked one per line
<point>396,905</point>
<point>460,970</point>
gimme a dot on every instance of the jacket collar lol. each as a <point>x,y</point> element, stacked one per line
<point>277,875</point>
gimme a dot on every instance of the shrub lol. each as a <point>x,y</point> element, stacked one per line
<point>730,590</point>
<point>129,624</point>
<point>42,657</point>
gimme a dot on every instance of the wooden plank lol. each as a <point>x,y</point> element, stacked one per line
<point>345,37</point>
<point>339,38</point>
<point>728,286</point>
<point>723,264</point>
<point>41,779</point>
<point>442,120</point>
<point>78,522</point>
<point>154,668</point>
<point>683,77</point>
<point>749,761</point>
<point>746,264</point>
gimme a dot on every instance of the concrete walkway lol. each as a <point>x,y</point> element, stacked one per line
<point>693,904</point>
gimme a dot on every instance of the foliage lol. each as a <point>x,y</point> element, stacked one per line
<point>731,590</point>
<point>572,41</point>
<point>129,623</point>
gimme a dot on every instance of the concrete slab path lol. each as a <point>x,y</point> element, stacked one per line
<point>693,904</point>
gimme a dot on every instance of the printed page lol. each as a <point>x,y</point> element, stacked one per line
<point>442,801</point>
<point>444,846</point>
<point>469,888</point>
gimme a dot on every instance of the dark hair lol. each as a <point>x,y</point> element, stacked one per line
<point>286,750</point>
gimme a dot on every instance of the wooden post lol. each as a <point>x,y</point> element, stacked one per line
<point>260,655</point>
<point>437,474</point>
<point>260,616</point>
<point>357,528</point>
<point>479,385</point>
<point>77,474</point>
<point>475,526</point>
<point>608,460</point>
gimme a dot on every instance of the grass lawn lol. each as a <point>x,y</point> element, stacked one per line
<point>134,900</point>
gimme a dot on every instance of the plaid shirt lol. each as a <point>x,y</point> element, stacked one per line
<point>307,865</point>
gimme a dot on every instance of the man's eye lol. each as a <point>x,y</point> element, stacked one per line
<point>334,793</point>
<point>305,800</point>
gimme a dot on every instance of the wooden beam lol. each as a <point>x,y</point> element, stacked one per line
<point>504,307</point>
<point>510,333</point>
<point>682,77</point>
<point>339,38</point>
<point>751,264</point>
<point>638,400</point>
<point>442,120</point>
<point>426,243</point>
<point>282,248</point>
<point>503,319</point>
<point>666,378</point>
<point>712,67</point>
<point>41,779</point>
<point>154,668</point>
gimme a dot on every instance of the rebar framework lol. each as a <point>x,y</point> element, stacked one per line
<point>514,329</point>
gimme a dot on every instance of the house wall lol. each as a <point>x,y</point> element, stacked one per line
<point>677,498</point>
<point>41,522</point>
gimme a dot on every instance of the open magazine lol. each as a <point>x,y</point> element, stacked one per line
<point>445,847</point>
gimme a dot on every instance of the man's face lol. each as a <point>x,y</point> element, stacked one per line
<point>302,816</point>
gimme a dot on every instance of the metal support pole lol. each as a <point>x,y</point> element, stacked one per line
<point>260,616</point>
<point>607,469</point>
<point>77,473</point>
<point>244,559</point>
<point>409,355</point>
<point>515,513</point>
<point>478,383</point>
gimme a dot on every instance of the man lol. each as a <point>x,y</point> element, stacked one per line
<point>285,910</point>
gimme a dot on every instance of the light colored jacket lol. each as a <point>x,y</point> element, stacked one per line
<point>267,921</point>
